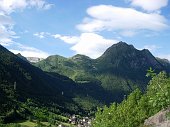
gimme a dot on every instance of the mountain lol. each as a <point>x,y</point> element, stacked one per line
<point>34,59</point>
<point>164,62</point>
<point>124,60</point>
<point>21,81</point>
<point>121,69</point>
<point>30,59</point>
<point>22,57</point>
<point>78,84</point>
<point>33,83</point>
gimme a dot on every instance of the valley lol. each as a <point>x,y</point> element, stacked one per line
<point>51,91</point>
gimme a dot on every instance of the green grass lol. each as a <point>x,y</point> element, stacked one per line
<point>28,123</point>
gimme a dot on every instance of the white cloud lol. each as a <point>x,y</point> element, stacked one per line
<point>108,17</point>
<point>128,33</point>
<point>6,42</point>
<point>151,47</point>
<point>32,53</point>
<point>149,5</point>
<point>9,6</point>
<point>90,44</point>
<point>29,51</point>
<point>41,34</point>
<point>67,39</point>
<point>6,23</point>
<point>41,4</point>
<point>5,20</point>
<point>24,32</point>
<point>6,26</point>
<point>6,33</point>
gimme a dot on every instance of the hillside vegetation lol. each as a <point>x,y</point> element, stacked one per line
<point>120,70</point>
<point>28,93</point>
<point>78,85</point>
<point>137,107</point>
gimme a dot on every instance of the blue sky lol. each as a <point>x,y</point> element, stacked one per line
<point>67,27</point>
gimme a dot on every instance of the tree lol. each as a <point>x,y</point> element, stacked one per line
<point>159,92</point>
<point>132,112</point>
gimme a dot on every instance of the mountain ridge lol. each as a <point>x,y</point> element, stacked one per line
<point>77,84</point>
<point>32,82</point>
<point>47,88</point>
<point>122,64</point>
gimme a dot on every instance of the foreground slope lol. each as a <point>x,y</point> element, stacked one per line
<point>31,82</point>
<point>49,89</point>
<point>140,109</point>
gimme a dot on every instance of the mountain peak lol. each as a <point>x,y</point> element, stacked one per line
<point>22,57</point>
<point>122,44</point>
<point>79,56</point>
<point>125,57</point>
<point>117,49</point>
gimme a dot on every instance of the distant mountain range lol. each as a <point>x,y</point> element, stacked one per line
<point>121,68</point>
<point>45,88</point>
<point>30,59</point>
<point>76,84</point>
<point>34,59</point>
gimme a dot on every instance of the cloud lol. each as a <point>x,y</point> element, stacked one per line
<point>6,26</point>
<point>41,4</point>
<point>128,33</point>
<point>9,6</point>
<point>41,34</point>
<point>29,51</point>
<point>6,33</point>
<point>149,5</point>
<point>67,39</point>
<point>6,23</point>
<point>151,47</point>
<point>90,44</point>
<point>5,20</point>
<point>108,17</point>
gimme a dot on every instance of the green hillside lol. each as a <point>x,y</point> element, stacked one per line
<point>66,86</point>
<point>121,68</point>
<point>28,92</point>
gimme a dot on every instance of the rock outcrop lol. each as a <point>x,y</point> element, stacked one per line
<point>159,120</point>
